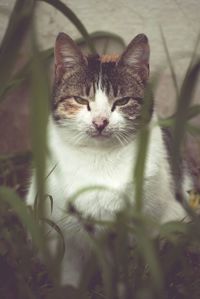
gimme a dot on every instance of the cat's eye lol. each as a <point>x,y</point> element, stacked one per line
<point>120,102</point>
<point>82,101</point>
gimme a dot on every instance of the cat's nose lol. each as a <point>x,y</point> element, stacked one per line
<point>100,123</point>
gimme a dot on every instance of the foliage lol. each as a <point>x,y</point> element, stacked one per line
<point>167,266</point>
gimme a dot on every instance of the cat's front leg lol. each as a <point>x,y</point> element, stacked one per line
<point>77,251</point>
<point>77,254</point>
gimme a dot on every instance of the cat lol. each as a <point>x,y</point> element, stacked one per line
<point>93,137</point>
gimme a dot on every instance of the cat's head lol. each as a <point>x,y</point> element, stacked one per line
<point>98,100</point>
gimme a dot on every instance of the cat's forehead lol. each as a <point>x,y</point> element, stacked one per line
<point>101,72</point>
<point>109,58</point>
<point>115,80</point>
<point>101,65</point>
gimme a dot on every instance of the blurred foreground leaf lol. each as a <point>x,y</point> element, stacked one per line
<point>184,100</point>
<point>39,119</point>
<point>172,70</point>
<point>18,26</point>
<point>22,211</point>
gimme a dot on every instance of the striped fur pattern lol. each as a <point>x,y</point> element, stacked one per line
<point>110,87</point>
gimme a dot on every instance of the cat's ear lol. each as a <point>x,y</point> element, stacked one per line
<point>136,55</point>
<point>67,55</point>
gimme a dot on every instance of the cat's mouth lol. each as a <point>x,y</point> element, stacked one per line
<point>99,135</point>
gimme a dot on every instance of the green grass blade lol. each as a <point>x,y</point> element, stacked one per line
<point>18,26</point>
<point>39,119</point>
<point>22,211</point>
<point>193,111</point>
<point>140,167</point>
<point>194,53</point>
<point>17,158</point>
<point>185,98</point>
<point>56,228</point>
<point>183,111</point>
<point>173,74</point>
<point>148,252</point>
<point>193,130</point>
<point>170,228</point>
<point>142,149</point>
<point>59,5</point>
<point>166,122</point>
<point>24,73</point>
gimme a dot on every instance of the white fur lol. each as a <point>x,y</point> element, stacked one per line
<point>110,166</point>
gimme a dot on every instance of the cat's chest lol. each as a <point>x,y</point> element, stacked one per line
<point>82,172</point>
<point>102,178</point>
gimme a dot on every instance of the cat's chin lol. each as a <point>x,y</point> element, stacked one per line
<point>103,143</point>
<point>105,140</point>
<point>100,139</point>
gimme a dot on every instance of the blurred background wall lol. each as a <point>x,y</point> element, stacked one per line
<point>180,21</point>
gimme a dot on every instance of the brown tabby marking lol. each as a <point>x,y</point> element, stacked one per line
<point>117,76</point>
<point>109,58</point>
<point>133,110</point>
<point>68,108</point>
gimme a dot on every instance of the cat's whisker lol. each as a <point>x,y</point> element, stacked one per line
<point>127,138</point>
<point>119,139</point>
<point>122,138</point>
<point>78,137</point>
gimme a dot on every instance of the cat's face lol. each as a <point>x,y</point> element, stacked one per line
<point>98,100</point>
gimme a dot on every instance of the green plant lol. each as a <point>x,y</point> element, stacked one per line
<point>143,272</point>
